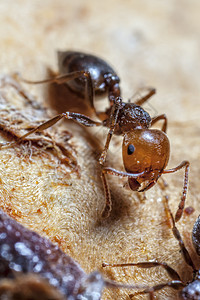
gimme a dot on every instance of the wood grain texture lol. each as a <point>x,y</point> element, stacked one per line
<point>149,43</point>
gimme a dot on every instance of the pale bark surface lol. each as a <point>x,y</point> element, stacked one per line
<point>149,43</point>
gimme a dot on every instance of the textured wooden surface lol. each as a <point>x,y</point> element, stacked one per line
<point>152,43</point>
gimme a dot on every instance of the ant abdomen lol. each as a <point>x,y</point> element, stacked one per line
<point>102,74</point>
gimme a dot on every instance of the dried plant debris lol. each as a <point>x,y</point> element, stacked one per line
<point>25,252</point>
<point>16,120</point>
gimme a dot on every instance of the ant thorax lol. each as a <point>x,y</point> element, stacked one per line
<point>130,117</point>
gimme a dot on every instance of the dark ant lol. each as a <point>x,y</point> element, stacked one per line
<point>145,151</point>
<point>189,290</point>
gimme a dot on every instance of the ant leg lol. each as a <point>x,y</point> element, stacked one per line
<point>149,264</point>
<point>114,284</point>
<point>158,118</point>
<point>162,184</point>
<point>149,186</point>
<point>81,119</point>
<point>184,164</point>
<point>112,125</point>
<point>106,170</point>
<point>142,100</point>
<point>108,204</point>
<point>67,77</point>
<point>177,235</point>
<point>174,284</point>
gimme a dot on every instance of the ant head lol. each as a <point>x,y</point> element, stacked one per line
<point>145,150</point>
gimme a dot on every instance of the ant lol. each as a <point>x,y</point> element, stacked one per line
<point>188,290</point>
<point>145,151</point>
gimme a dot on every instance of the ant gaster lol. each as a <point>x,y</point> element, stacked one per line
<point>189,290</point>
<point>145,151</point>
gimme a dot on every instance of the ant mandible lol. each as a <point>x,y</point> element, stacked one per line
<point>145,151</point>
<point>188,290</point>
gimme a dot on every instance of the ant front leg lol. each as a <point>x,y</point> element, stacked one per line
<point>113,121</point>
<point>81,119</point>
<point>108,203</point>
<point>184,164</point>
<point>106,170</point>
<point>89,90</point>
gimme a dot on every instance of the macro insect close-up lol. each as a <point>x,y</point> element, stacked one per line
<point>99,120</point>
<point>145,151</point>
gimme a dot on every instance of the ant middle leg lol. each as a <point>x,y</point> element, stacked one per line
<point>184,164</point>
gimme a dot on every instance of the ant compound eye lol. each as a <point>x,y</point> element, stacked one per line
<point>130,149</point>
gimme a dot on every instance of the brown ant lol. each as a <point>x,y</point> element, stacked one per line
<point>188,290</point>
<point>145,151</point>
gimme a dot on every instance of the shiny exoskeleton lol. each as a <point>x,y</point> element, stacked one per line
<point>145,151</point>
<point>187,290</point>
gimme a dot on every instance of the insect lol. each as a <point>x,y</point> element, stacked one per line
<point>189,290</point>
<point>145,150</point>
<point>27,255</point>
